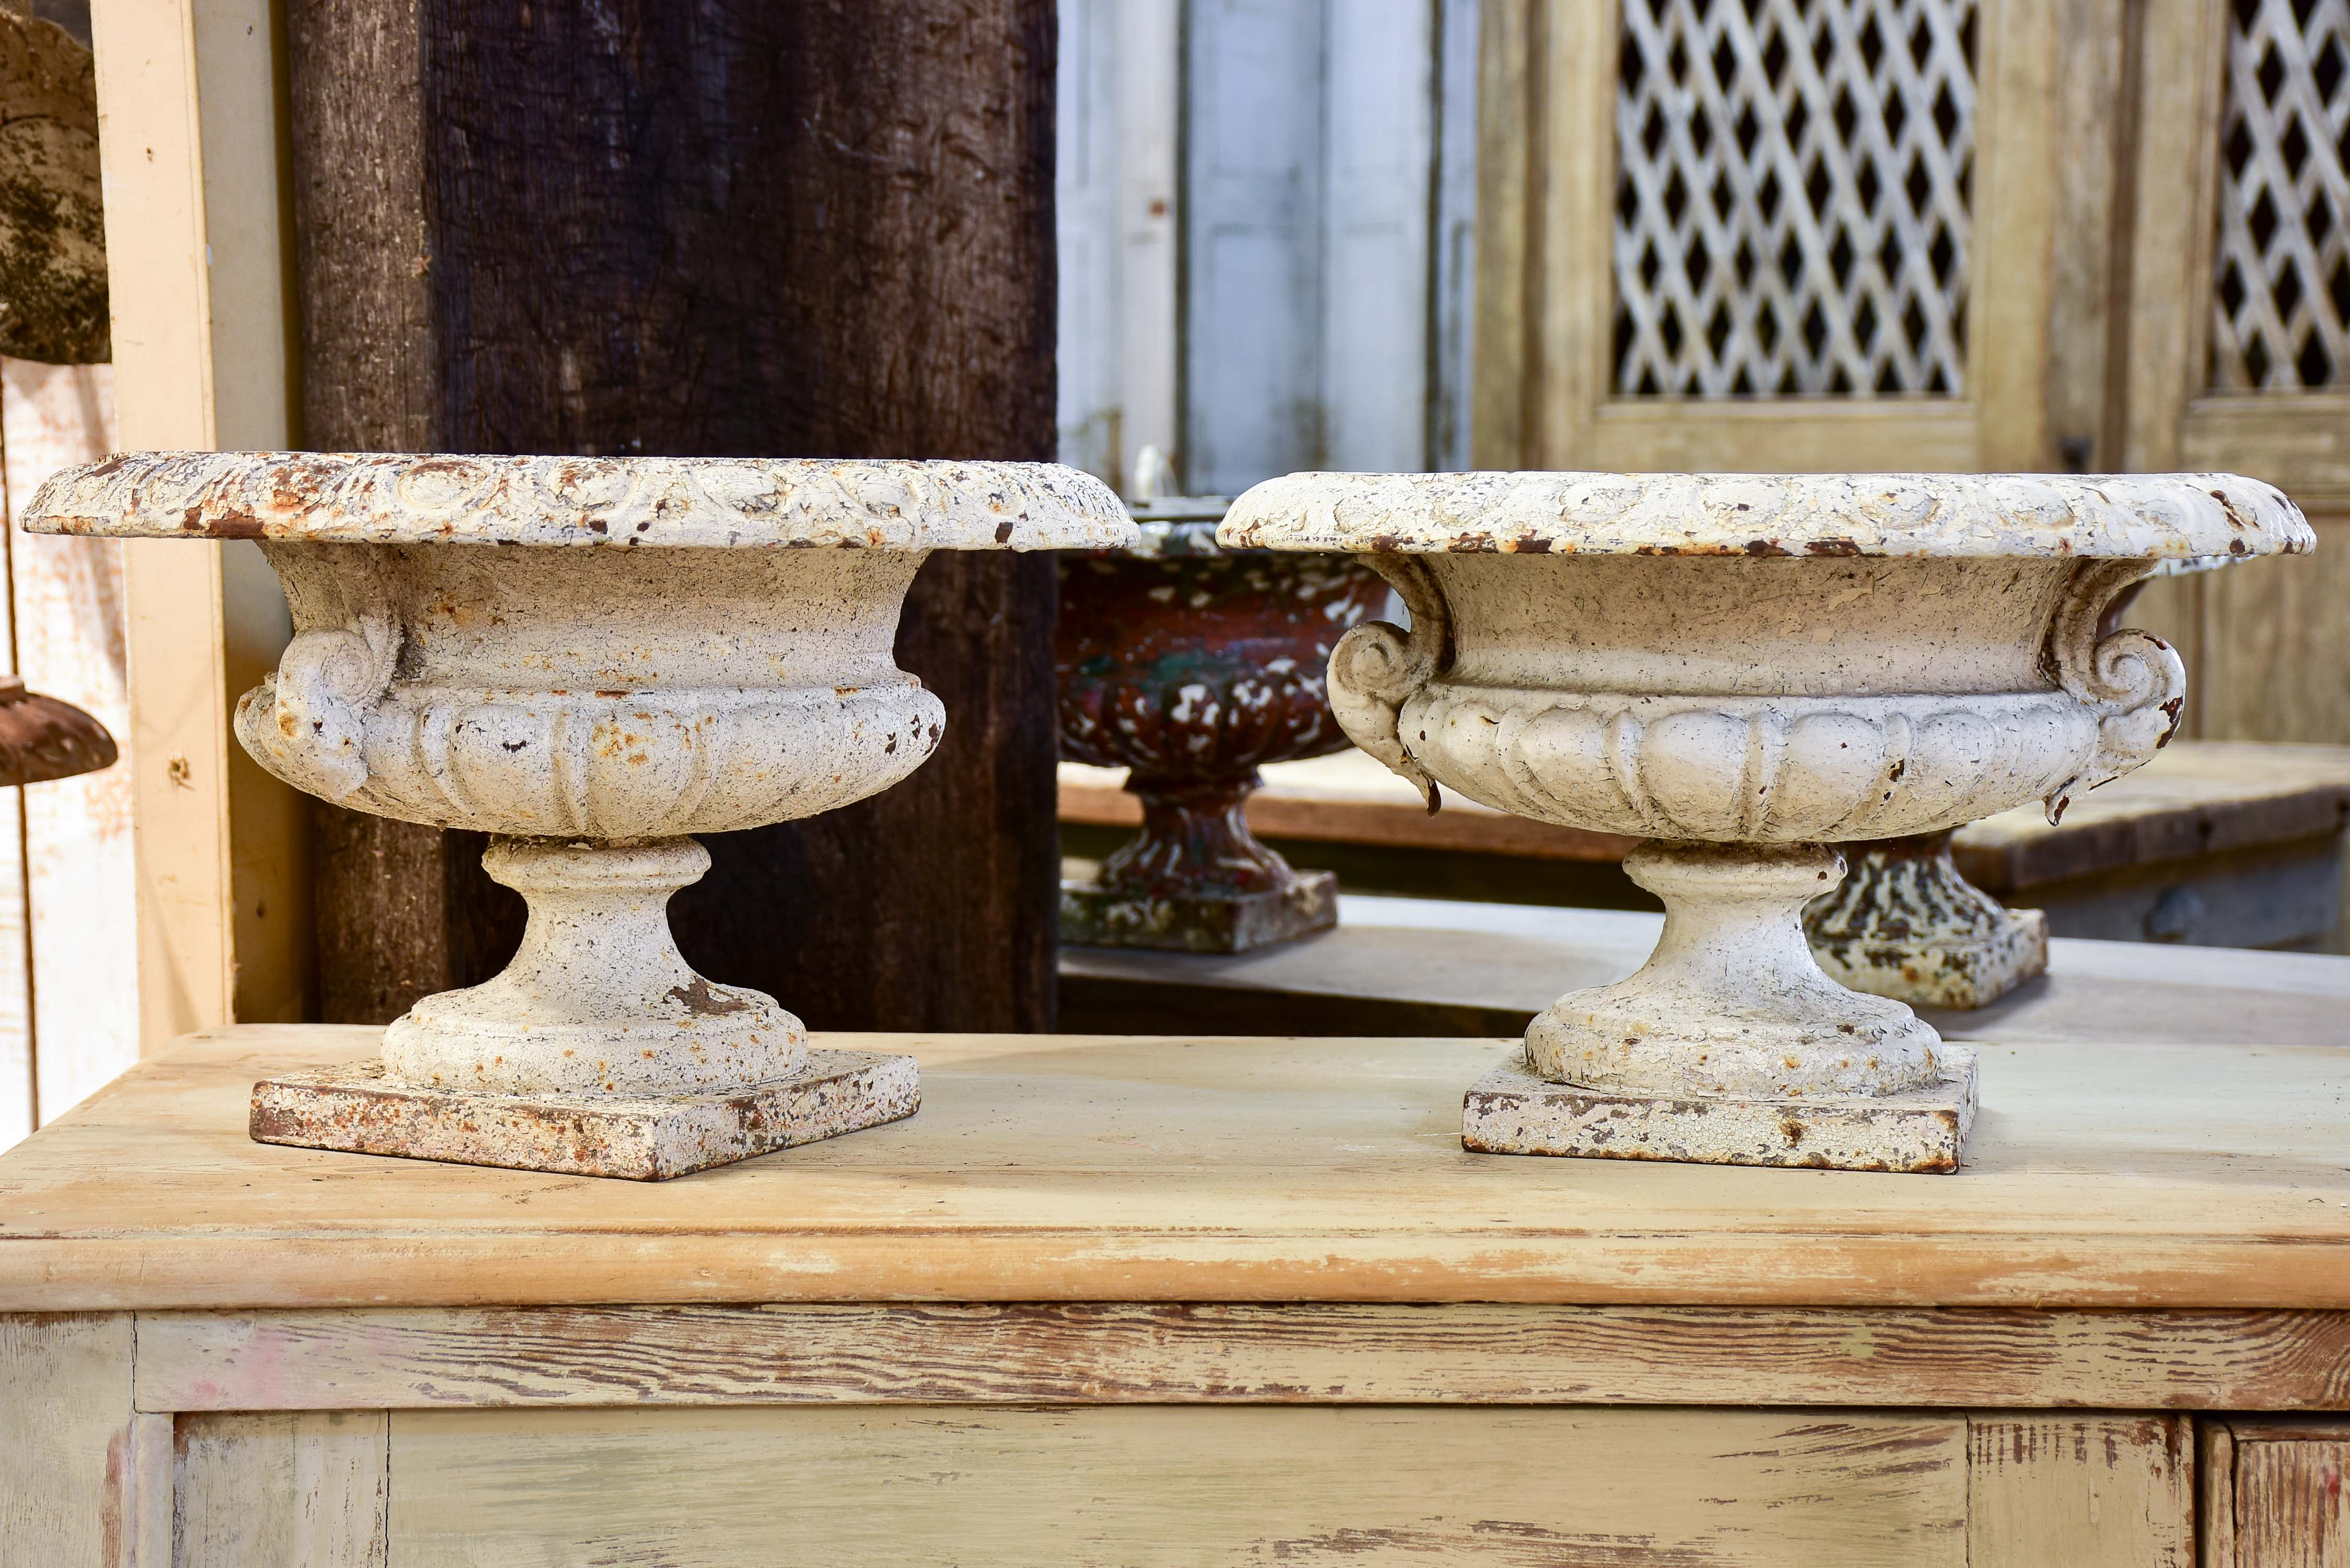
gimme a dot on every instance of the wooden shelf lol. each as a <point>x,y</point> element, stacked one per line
<point>2196,798</point>
<point>2167,1173</point>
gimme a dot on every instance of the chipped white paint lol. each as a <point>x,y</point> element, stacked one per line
<point>1746,670</point>
<point>710,650</point>
<point>2153,516</point>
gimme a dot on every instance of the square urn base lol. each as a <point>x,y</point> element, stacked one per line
<point>1096,916</point>
<point>353,1109</point>
<point>1511,1111</point>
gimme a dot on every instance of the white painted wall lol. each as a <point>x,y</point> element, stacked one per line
<point>69,879</point>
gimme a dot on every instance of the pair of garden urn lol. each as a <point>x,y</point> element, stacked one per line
<point>595,658</point>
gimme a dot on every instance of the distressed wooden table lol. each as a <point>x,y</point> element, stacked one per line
<point>2230,843</point>
<point>1187,1301</point>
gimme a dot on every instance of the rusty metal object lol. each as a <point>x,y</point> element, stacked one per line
<point>42,738</point>
<point>53,301</point>
<point>1905,924</point>
<point>1193,667</point>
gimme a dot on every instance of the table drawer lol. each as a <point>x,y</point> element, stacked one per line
<point>1188,1485</point>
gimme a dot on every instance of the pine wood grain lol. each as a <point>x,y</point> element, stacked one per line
<point>65,1439</point>
<point>1307,1353</point>
<point>266,1489</point>
<point>1190,1487</point>
<point>2105,1491</point>
<point>2289,1510</point>
<point>1134,1168</point>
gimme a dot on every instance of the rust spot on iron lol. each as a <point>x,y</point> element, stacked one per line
<point>1832,547</point>
<point>1766,547</point>
<point>700,1001</point>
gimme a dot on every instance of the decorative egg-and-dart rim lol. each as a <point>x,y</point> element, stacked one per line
<point>2119,517</point>
<point>390,498</point>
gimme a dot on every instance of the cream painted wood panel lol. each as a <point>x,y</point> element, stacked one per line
<point>191,139</point>
<point>80,865</point>
<point>1208,1354</point>
<point>2098,1491</point>
<point>262,1489</point>
<point>2271,1492</point>
<point>65,1451</point>
<point>1113,1167</point>
<point>1186,1487</point>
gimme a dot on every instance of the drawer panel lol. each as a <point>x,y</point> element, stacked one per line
<point>1177,1486</point>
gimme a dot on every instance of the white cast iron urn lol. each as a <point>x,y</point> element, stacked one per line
<point>591,658</point>
<point>1746,670</point>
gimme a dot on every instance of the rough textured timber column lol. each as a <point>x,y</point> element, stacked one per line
<point>730,227</point>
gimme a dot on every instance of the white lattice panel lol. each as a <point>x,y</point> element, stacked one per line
<point>1792,195</point>
<point>2281,308</point>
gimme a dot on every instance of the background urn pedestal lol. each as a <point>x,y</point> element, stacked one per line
<point>1191,667</point>
<point>1745,671</point>
<point>1195,880</point>
<point>589,659</point>
<point>1904,923</point>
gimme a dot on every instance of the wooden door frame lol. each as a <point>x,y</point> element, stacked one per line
<point>1546,286</point>
<point>191,117</point>
<point>2299,442</point>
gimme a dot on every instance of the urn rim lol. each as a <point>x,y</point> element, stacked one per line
<point>395,498</point>
<point>2123,516</point>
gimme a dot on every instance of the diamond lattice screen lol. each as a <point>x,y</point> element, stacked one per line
<point>2282,315</point>
<point>1792,196</point>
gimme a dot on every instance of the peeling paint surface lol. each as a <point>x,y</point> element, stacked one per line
<point>377,498</point>
<point>361,1110</point>
<point>2148,516</point>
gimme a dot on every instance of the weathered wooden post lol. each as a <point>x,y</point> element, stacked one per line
<point>744,228</point>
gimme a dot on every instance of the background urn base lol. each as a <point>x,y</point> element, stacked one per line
<point>356,1110</point>
<point>1096,916</point>
<point>1905,924</point>
<point>1924,1130</point>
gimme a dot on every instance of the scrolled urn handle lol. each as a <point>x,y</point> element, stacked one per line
<point>1378,666</point>
<point>2132,680</point>
<point>308,721</point>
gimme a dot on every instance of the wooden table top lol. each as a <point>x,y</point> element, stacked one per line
<point>2195,798</point>
<point>2174,1174</point>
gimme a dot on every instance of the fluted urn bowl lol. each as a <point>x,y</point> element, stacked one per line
<point>1746,670</point>
<point>591,658</point>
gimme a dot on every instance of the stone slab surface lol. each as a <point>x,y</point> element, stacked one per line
<point>354,1109</point>
<point>1097,916</point>
<point>1511,1111</point>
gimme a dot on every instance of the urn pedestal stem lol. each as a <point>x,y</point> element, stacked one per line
<point>598,1000</point>
<point>1730,1045</point>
